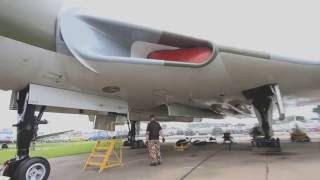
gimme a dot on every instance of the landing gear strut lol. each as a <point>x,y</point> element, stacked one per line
<point>263,98</point>
<point>263,108</point>
<point>23,167</point>
<point>132,142</point>
<point>132,132</point>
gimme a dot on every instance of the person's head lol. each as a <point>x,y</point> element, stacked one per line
<point>152,118</point>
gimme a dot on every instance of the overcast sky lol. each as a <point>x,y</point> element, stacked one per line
<point>286,27</point>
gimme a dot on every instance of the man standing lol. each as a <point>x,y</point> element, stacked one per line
<point>152,137</point>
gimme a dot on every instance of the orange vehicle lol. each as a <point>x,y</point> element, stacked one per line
<point>298,135</point>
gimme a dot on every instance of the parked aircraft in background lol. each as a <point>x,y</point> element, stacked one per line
<point>99,136</point>
<point>7,136</point>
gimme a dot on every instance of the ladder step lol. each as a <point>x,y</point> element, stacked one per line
<point>102,148</point>
<point>98,156</point>
<point>94,164</point>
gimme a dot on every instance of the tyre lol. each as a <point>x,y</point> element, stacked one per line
<point>140,144</point>
<point>9,167</point>
<point>135,145</point>
<point>181,142</point>
<point>35,168</point>
<point>126,143</point>
<point>6,172</point>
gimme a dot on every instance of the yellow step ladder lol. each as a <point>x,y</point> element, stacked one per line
<point>105,154</point>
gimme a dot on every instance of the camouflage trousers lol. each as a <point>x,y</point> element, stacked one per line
<point>154,150</point>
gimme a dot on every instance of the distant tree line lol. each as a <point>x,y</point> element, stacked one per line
<point>317,110</point>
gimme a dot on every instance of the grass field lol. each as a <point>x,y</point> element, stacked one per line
<point>50,150</point>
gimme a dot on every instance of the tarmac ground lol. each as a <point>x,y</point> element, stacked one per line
<point>215,161</point>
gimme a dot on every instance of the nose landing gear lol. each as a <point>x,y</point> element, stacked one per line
<point>23,167</point>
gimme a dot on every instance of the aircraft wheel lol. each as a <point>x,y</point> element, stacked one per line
<point>35,168</point>
<point>126,143</point>
<point>6,171</point>
<point>140,144</point>
<point>135,145</point>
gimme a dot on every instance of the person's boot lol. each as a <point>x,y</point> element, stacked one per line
<point>153,164</point>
